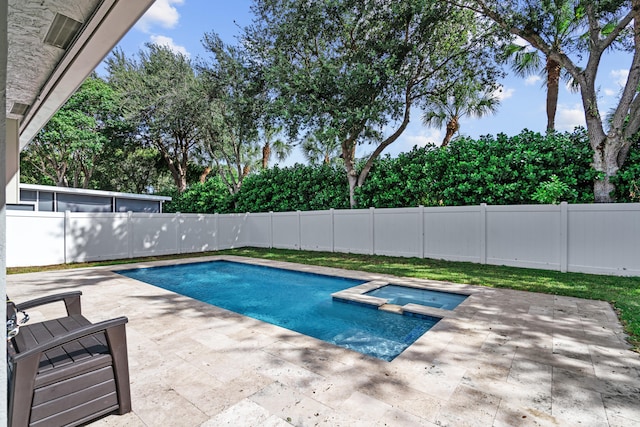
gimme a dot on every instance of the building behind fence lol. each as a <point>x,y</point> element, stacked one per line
<point>589,238</point>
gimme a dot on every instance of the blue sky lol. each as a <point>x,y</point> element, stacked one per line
<point>180,24</point>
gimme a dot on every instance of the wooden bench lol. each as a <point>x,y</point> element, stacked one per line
<point>66,371</point>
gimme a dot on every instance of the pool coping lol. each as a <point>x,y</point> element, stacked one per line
<point>358,295</point>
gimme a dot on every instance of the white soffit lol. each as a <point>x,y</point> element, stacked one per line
<point>41,76</point>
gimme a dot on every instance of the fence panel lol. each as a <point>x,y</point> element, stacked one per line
<point>35,238</point>
<point>154,234</point>
<point>286,230</point>
<point>197,233</point>
<point>453,233</point>
<point>524,236</point>
<point>96,236</point>
<point>604,238</point>
<point>231,231</point>
<point>353,231</point>
<point>316,229</point>
<point>398,232</point>
<point>259,230</point>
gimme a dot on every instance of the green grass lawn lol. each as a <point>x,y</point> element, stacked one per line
<point>622,292</point>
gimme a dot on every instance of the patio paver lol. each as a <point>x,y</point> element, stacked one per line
<point>504,358</point>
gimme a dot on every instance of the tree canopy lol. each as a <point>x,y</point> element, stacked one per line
<point>67,149</point>
<point>354,69</point>
<point>592,27</point>
<point>164,97</point>
<point>236,105</point>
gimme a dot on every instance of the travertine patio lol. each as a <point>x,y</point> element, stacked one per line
<point>504,358</point>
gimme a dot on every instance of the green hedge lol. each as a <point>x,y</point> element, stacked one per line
<point>522,169</point>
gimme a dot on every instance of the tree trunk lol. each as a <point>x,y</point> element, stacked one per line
<point>605,161</point>
<point>553,69</point>
<point>348,154</point>
<point>452,128</point>
<point>266,154</point>
<point>205,174</point>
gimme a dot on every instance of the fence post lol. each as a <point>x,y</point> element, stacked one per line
<point>299,232</point>
<point>372,215</point>
<point>270,229</point>
<point>564,236</point>
<point>178,233</point>
<point>130,234</point>
<point>421,230</point>
<point>216,226</point>
<point>67,229</point>
<point>333,231</point>
<point>483,233</point>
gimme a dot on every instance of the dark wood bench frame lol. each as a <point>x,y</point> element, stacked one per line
<point>67,371</point>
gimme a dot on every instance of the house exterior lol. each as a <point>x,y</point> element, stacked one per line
<point>45,198</point>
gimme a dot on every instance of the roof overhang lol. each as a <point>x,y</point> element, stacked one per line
<point>100,193</point>
<point>41,76</point>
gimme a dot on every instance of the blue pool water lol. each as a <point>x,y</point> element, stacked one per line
<point>402,295</point>
<point>294,300</point>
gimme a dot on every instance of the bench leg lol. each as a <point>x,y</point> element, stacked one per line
<point>117,338</point>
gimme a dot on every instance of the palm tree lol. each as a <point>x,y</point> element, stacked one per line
<point>526,61</point>
<point>271,145</point>
<point>320,148</point>
<point>462,100</point>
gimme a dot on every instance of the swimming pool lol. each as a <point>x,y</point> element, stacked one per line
<point>294,300</point>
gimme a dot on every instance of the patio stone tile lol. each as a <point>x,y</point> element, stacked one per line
<point>364,407</point>
<point>536,399</point>
<point>126,420</point>
<point>290,374</point>
<point>438,379</point>
<point>556,360</point>
<point>157,404</point>
<point>490,366</point>
<point>274,421</point>
<point>510,415</point>
<point>530,374</point>
<point>614,357</point>
<point>405,398</point>
<point>290,405</point>
<point>625,407</point>
<point>616,421</point>
<point>571,348</point>
<point>314,359</point>
<point>332,392</point>
<point>537,310</point>
<point>243,410</point>
<point>396,417</point>
<point>468,407</point>
<point>535,341</point>
<point>575,405</point>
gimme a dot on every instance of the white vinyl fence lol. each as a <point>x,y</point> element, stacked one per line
<point>595,238</point>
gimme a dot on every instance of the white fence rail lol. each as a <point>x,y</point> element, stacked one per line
<point>602,239</point>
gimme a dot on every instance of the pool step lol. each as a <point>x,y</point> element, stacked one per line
<point>393,308</point>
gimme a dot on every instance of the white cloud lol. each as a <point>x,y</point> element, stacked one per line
<point>163,13</point>
<point>424,137</point>
<point>531,80</point>
<point>568,117</point>
<point>168,42</point>
<point>502,93</point>
<point>610,92</point>
<point>620,76</point>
